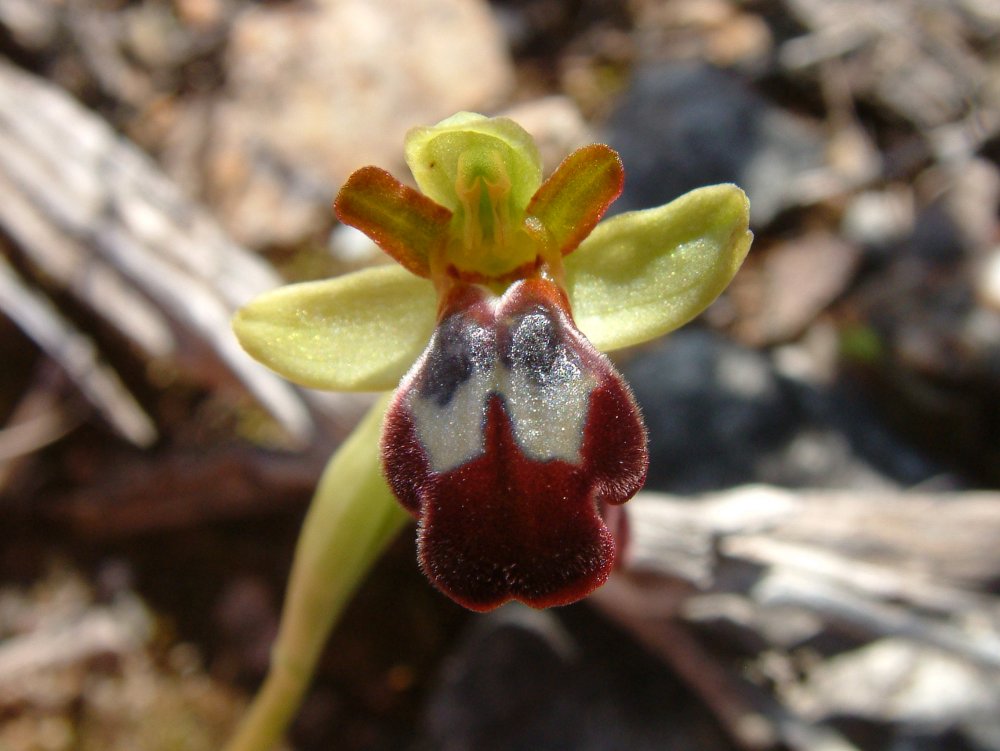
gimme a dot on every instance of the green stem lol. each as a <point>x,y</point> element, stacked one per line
<point>352,518</point>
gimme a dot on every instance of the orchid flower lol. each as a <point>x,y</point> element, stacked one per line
<point>509,437</point>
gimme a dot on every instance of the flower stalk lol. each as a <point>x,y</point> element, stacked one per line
<point>352,518</point>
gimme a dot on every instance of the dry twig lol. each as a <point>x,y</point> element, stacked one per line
<point>887,578</point>
<point>95,215</point>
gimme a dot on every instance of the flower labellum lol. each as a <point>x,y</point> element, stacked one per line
<point>506,439</point>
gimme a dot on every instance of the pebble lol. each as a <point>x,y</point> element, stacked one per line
<point>988,280</point>
<point>786,286</point>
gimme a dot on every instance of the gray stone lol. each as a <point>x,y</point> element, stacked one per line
<point>317,90</point>
<point>524,680</point>
<point>681,126</point>
<point>721,415</point>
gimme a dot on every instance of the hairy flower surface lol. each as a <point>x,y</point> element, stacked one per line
<point>510,438</point>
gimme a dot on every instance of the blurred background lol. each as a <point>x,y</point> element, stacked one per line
<point>818,562</point>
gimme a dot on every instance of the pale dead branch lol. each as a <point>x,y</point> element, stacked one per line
<point>97,216</point>
<point>901,582</point>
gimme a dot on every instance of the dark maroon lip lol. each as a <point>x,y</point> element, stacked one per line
<point>504,522</point>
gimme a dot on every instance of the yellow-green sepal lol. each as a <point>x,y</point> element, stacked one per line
<point>482,145</point>
<point>357,332</point>
<point>643,274</point>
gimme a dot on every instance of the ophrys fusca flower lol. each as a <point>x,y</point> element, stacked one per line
<point>510,437</point>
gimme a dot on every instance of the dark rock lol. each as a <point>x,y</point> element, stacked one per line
<point>721,415</point>
<point>681,126</point>
<point>564,680</point>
